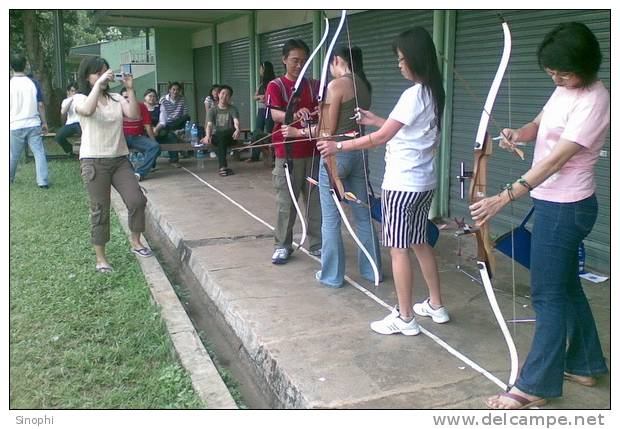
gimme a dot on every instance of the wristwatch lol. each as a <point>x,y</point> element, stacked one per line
<point>339,146</point>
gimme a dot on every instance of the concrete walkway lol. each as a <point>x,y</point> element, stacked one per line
<point>310,346</point>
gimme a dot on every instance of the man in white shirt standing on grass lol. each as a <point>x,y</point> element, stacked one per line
<point>27,120</point>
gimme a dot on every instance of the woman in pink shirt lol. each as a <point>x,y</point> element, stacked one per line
<point>568,134</point>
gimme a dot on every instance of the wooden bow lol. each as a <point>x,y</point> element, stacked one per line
<point>289,115</point>
<point>483,149</point>
<point>336,187</point>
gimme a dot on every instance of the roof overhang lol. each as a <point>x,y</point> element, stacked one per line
<point>174,18</point>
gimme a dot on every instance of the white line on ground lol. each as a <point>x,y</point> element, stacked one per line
<point>473,365</point>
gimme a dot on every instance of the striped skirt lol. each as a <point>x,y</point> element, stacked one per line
<point>404,217</point>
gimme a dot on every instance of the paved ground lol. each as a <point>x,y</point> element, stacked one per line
<point>311,346</point>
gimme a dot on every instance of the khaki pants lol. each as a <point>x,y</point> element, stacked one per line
<point>302,168</point>
<point>99,175</point>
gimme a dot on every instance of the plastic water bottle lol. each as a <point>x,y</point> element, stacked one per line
<point>582,258</point>
<point>188,129</point>
<point>194,134</point>
<point>200,159</point>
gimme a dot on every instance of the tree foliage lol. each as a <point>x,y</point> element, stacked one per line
<point>32,33</point>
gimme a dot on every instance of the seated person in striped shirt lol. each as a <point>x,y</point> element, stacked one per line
<point>140,136</point>
<point>177,113</point>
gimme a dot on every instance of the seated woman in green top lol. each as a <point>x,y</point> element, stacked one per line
<point>222,128</point>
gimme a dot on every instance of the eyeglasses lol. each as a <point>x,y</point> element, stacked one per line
<point>296,61</point>
<point>560,75</point>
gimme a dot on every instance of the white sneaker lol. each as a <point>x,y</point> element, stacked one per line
<point>424,308</point>
<point>280,256</point>
<point>392,324</point>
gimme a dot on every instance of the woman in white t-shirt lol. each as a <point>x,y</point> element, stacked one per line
<point>569,133</point>
<point>411,134</point>
<point>103,155</point>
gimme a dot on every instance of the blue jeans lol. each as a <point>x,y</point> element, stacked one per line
<point>351,172</point>
<point>169,138</point>
<point>18,140</point>
<point>149,147</point>
<point>565,336</point>
<point>264,126</point>
<point>67,131</point>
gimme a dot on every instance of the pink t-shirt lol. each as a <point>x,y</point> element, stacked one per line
<point>580,115</point>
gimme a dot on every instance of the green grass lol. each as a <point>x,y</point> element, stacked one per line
<point>78,338</point>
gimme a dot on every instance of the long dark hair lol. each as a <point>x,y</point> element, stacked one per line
<point>571,47</point>
<point>355,61</point>
<point>88,66</point>
<point>268,73</point>
<point>418,50</point>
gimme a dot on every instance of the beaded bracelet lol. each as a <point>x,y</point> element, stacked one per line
<point>508,189</point>
<point>523,182</point>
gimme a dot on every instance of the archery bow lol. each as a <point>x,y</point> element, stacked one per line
<point>288,120</point>
<point>336,188</point>
<point>483,148</point>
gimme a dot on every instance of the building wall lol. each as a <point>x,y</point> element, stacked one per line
<point>175,62</point>
<point>477,47</point>
<point>112,51</point>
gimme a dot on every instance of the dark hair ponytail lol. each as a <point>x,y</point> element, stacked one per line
<point>355,60</point>
<point>418,50</point>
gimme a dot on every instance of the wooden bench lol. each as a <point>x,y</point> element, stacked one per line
<point>47,137</point>
<point>185,146</point>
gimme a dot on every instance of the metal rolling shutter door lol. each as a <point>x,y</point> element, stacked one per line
<point>373,32</point>
<point>271,45</point>
<point>235,70</point>
<point>522,95</point>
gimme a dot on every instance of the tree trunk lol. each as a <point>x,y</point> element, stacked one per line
<point>34,53</point>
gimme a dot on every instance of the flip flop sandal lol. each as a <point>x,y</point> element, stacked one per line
<point>522,402</point>
<point>103,268</point>
<point>144,252</point>
<point>584,380</point>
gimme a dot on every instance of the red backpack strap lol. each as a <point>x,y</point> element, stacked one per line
<point>278,81</point>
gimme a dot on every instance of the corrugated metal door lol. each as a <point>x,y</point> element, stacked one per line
<point>235,69</point>
<point>374,32</point>
<point>271,45</point>
<point>203,76</point>
<point>523,93</point>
